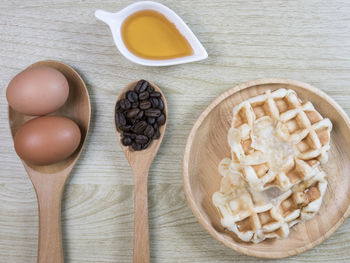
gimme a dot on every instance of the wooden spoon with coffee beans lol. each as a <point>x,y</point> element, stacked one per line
<point>141,154</point>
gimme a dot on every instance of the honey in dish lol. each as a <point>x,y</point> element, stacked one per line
<point>149,34</point>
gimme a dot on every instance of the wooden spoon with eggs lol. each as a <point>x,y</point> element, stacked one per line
<point>49,180</point>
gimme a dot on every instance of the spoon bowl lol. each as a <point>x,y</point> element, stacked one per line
<point>49,180</point>
<point>147,155</point>
<point>140,162</point>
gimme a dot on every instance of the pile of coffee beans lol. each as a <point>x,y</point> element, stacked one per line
<point>139,115</point>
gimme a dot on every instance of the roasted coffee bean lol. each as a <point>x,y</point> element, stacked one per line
<point>144,146</point>
<point>144,105</point>
<point>153,112</point>
<point>132,96</point>
<point>117,106</point>
<point>144,95</point>
<point>125,104</point>
<point>125,128</point>
<point>150,89</point>
<point>141,139</point>
<point>139,127</point>
<point>155,127</point>
<point>161,104</point>
<point>161,120</point>
<point>154,102</point>
<point>132,113</point>
<point>149,131</point>
<point>151,120</point>
<point>140,115</point>
<point>156,134</point>
<point>131,135</point>
<point>126,141</point>
<point>143,87</point>
<point>136,147</point>
<point>120,119</point>
<point>135,105</point>
<point>155,94</point>
<point>138,85</point>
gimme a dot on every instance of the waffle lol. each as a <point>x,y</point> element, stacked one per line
<point>256,219</point>
<point>274,179</point>
<point>302,143</point>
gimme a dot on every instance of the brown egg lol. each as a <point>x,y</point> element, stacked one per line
<point>46,140</point>
<point>38,91</point>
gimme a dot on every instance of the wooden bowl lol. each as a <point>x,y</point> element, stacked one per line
<point>207,145</point>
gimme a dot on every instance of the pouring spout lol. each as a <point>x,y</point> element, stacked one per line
<point>106,17</point>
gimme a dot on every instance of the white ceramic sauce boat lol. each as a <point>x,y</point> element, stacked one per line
<point>115,21</point>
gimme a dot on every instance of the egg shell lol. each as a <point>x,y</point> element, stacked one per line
<point>37,91</point>
<point>46,140</point>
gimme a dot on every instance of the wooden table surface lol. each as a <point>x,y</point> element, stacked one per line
<point>303,40</point>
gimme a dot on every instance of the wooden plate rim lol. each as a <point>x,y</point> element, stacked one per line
<point>186,155</point>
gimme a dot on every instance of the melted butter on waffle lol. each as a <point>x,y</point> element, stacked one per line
<point>276,152</point>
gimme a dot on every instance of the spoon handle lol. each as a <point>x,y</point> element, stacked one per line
<point>141,239</point>
<point>49,192</point>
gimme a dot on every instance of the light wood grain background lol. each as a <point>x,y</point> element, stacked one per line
<point>303,40</point>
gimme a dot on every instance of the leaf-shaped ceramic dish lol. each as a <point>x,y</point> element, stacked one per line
<point>115,21</point>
